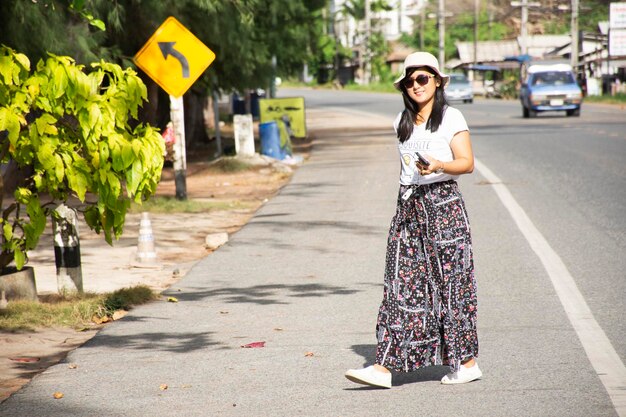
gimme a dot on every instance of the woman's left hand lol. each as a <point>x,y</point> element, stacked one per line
<point>434,165</point>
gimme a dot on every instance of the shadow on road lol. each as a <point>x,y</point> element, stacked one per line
<point>270,294</point>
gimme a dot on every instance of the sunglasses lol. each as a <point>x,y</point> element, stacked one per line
<point>421,79</point>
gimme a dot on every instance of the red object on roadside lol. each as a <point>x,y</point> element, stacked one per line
<point>254,345</point>
<point>168,134</point>
<point>25,360</point>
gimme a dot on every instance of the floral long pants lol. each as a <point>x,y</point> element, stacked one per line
<point>428,313</point>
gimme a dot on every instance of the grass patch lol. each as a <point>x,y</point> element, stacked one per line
<point>172,205</point>
<point>75,311</point>
<point>126,298</point>
<point>619,98</point>
<point>230,165</point>
<point>386,87</point>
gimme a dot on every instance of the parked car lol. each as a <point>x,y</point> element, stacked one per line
<point>550,88</point>
<point>459,89</point>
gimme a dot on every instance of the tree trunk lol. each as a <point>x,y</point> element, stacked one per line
<point>195,131</point>
<point>149,111</point>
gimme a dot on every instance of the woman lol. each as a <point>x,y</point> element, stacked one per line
<point>428,313</point>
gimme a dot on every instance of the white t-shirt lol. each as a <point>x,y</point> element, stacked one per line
<point>428,144</point>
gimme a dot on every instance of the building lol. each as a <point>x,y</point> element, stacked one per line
<point>352,32</point>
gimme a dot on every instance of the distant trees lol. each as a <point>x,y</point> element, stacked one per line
<point>244,34</point>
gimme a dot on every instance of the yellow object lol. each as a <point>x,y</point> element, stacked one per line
<point>274,109</point>
<point>173,57</point>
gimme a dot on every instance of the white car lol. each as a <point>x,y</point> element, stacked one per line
<point>459,89</point>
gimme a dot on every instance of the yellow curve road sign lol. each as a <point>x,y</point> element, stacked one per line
<point>173,57</point>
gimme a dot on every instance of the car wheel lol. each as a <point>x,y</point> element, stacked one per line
<point>575,112</point>
<point>532,113</point>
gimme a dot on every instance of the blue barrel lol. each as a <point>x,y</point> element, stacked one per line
<point>270,140</point>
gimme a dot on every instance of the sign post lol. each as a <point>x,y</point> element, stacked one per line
<point>174,58</point>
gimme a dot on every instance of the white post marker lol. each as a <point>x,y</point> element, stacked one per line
<point>244,135</point>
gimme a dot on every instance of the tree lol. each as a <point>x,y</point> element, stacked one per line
<point>244,34</point>
<point>74,127</point>
<point>374,41</point>
<point>58,26</point>
<point>458,27</point>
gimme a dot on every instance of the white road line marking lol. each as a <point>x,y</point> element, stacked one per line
<point>600,351</point>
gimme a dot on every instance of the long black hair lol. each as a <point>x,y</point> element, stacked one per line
<point>407,121</point>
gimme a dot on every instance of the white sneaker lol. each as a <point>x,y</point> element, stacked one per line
<point>370,376</point>
<point>463,375</point>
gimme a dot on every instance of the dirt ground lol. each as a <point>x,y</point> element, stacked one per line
<point>179,241</point>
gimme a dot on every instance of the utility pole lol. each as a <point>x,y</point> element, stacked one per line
<point>400,12</point>
<point>524,4</point>
<point>441,21</point>
<point>574,29</point>
<point>476,15</point>
<point>366,57</point>
<point>422,23</point>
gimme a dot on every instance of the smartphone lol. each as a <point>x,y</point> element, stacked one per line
<point>421,159</point>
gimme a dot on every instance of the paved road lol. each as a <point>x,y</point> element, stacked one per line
<point>568,174</point>
<point>304,276</point>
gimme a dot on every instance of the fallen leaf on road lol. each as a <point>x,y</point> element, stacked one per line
<point>254,345</point>
<point>223,312</point>
<point>163,387</point>
<point>72,366</point>
<point>119,314</point>
<point>278,329</point>
<point>100,320</point>
<point>309,354</point>
<point>58,395</point>
<point>25,359</point>
<point>172,299</point>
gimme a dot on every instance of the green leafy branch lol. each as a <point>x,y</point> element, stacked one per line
<point>75,130</point>
<point>79,7</point>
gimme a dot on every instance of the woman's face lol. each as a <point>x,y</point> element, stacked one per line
<point>421,86</point>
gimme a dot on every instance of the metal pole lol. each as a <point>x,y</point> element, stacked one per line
<point>368,30</point>
<point>273,80</point>
<point>476,15</point>
<point>422,23</point>
<point>216,117</point>
<point>442,34</point>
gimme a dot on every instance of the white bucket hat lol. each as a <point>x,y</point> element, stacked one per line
<point>421,59</point>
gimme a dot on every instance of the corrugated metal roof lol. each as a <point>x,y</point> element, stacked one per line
<point>539,45</point>
<point>487,51</point>
<point>495,51</point>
